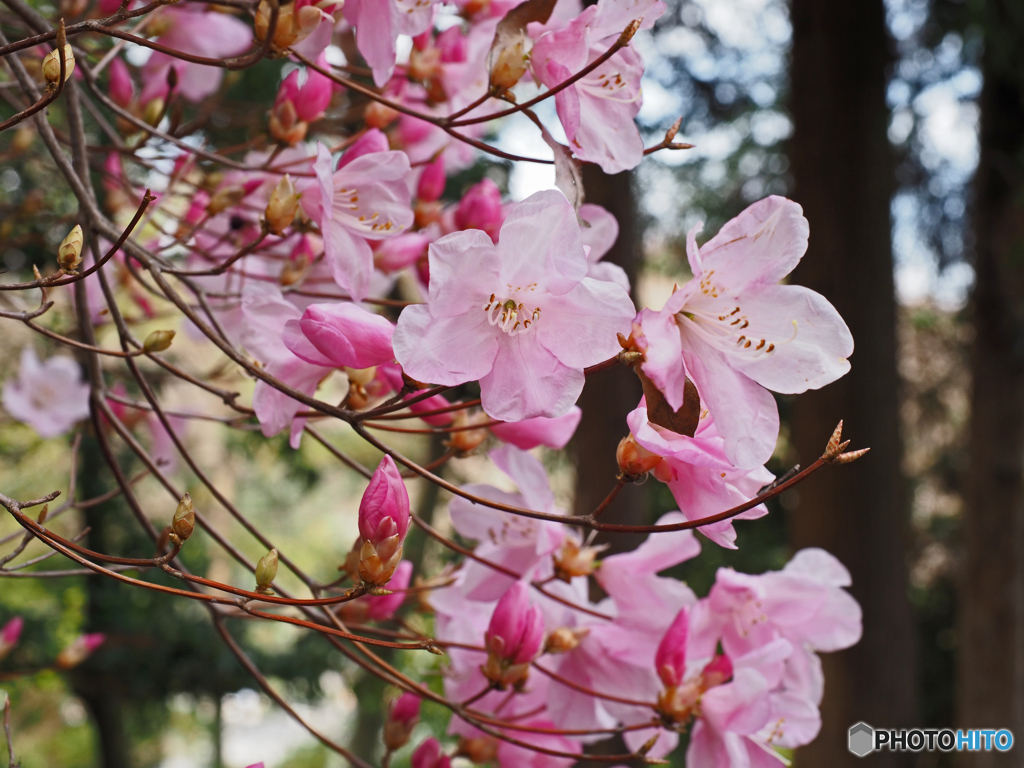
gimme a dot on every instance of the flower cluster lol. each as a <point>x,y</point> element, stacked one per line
<point>342,264</point>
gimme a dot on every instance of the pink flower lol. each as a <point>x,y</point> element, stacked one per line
<point>521,317</point>
<point>341,336</point>
<point>597,111</point>
<point>201,33</point>
<point>430,755</point>
<point>81,648</point>
<point>701,478</point>
<point>308,91</point>
<point>366,198</point>
<point>600,230</point>
<point>384,508</point>
<point>50,397</point>
<point>736,333</point>
<point>514,756</point>
<point>529,433</point>
<point>378,24</point>
<point>10,634</point>
<point>480,208</point>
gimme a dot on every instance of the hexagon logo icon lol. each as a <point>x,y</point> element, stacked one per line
<point>862,739</point>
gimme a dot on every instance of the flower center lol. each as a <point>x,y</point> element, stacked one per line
<point>346,201</point>
<point>510,315</point>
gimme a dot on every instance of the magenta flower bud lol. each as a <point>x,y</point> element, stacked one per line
<point>718,671</point>
<point>430,755</point>
<point>435,403</point>
<point>122,89</point>
<point>480,208</point>
<point>400,252</point>
<point>372,141</point>
<point>406,708</point>
<point>81,648</point>
<point>516,631</point>
<point>670,659</point>
<point>342,336</point>
<point>432,180</point>
<point>386,498</point>
<point>10,634</point>
<point>309,92</point>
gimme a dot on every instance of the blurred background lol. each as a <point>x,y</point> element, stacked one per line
<point>899,127</point>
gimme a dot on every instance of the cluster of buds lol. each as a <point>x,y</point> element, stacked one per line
<point>184,520</point>
<point>266,572</point>
<point>514,638</point>
<point>81,648</point>
<point>635,460</point>
<point>69,253</point>
<point>403,715</point>
<point>429,754</point>
<point>10,634</point>
<point>679,701</point>
<point>383,524</point>
<point>574,559</point>
<point>51,65</point>
<point>302,98</point>
<point>283,205</point>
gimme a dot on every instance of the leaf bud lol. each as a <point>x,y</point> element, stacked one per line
<point>224,198</point>
<point>184,520</point>
<point>158,341</point>
<point>266,572</point>
<point>69,254</point>
<point>51,64</point>
<point>154,111</point>
<point>283,205</point>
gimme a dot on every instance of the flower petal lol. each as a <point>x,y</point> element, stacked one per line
<point>580,327</point>
<point>445,350</point>
<point>527,381</point>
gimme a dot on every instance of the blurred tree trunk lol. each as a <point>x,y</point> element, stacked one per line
<point>843,173</point>
<point>990,647</point>
<point>610,395</point>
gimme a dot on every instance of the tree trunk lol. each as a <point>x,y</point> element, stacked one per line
<point>610,395</point>
<point>990,647</point>
<point>843,171</point>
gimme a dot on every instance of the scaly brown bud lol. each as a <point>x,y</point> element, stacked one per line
<point>224,198</point>
<point>158,341</point>
<point>510,65</point>
<point>479,750</point>
<point>285,125</point>
<point>635,460</point>
<point>69,254</point>
<point>283,205</point>
<point>266,572</point>
<point>184,520</point>
<point>573,560</point>
<point>564,639</point>
<point>466,440</point>
<point>377,563</point>
<point>51,65</point>
<point>378,115</point>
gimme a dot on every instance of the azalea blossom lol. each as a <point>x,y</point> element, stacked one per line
<point>378,24</point>
<point>521,317</point>
<point>366,198</point>
<point>49,396</point>
<point>736,333</point>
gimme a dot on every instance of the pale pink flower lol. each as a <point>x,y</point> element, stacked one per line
<point>430,755</point>
<point>194,30</point>
<point>700,476</point>
<point>529,433</point>
<point>736,333</point>
<point>364,199</point>
<point>514,756</point>
<point>340,335</point>
<point>378,24</point>
<point>384,507</point>
<point>49,396</point>
<point>600,230</point>
<point>597,111</point>
<point>521,317</point>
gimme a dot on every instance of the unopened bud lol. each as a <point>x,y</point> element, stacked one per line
<point>79,650</point>
<point>51,64</point>
<point>69,254</point>
<point>266,572</point>
<point>158,341</point>
<point>510,65</point>
<point>479,750</point>
<point>283,205</point>
<point>184,520</point>
<point>154,111</point>
<point>224,198</point>
<point>285,125</point>
<point>465,440</point>
<point>378,115</point>
<point>635,460</point>
<point>564,639</point>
